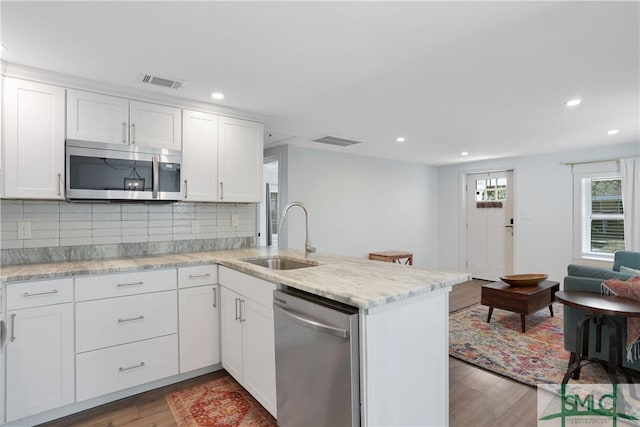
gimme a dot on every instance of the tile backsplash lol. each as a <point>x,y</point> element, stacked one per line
<point>55,224</point>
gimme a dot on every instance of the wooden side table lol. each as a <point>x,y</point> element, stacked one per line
<point>599,307</point>
<point>393,256</point>
<point>523,300</point>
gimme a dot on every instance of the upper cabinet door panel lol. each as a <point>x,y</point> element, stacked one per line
<point>33,139</point>
<point>98,118</point>
<point>200,156</point>
<point>240,153</point>
<point>153,125</point>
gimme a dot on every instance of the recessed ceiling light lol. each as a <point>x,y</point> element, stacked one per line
<point>613,132</point>
<point>400,139</point>
<point>573,102</point>
<point>217,95</point>
<point>464,153</point>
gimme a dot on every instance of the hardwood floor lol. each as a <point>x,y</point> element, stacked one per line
<point>477,398</point>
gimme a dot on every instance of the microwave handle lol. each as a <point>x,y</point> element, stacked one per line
<point>156,176</point>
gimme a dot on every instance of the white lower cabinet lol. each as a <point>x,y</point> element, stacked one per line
<point>116,368</point>
<point>40,374</point>
<point>74,339</point>
<point>247,332</point>
<point>199,327</point>
<point>128,336</point>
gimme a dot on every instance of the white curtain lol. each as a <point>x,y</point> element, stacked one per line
<point>630,169</point>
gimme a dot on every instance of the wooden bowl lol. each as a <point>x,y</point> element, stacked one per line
<point>524,279</point>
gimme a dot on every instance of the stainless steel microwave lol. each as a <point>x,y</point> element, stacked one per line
<point>96,171</point>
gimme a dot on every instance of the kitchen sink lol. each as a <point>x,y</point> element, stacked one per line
<point>281,263</point>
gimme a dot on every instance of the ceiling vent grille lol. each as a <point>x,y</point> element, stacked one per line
<point>160,81</point>
<point>336,140</point>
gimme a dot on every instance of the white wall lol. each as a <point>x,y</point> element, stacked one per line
<point>361,204</point>
<point>543,208</point>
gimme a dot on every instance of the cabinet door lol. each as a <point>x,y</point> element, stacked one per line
<point>98,118</point>
<point>33,122</point>
<point>231,333</point>
<point>199,327</point>
<point>200,156</point>
<point>40,366</point>
<point>153,125</point>
<point>259,373</point>
<point>240,166</point>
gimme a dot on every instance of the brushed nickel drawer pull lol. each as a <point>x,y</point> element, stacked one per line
<point>215,297</point>
<point>199,276</point>
<point>130,319</point>
<point>13,327</point>
<point>37,294</point>
<point>59,181</point>
<point>124,132</point>
<point>133,133</point>
<point>120,285</point>
<point>139,365</point>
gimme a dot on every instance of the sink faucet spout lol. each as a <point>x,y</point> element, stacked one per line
<point>307,244</point>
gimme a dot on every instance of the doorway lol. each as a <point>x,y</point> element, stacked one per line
<point>489,225</point>
<point>268,209</point>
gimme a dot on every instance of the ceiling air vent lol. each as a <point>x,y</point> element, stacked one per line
<point>160,81</point>
<point>336,140</point>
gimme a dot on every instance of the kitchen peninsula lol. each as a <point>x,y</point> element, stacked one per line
<point>403,319</point>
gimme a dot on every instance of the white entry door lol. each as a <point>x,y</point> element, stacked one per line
<point>490,224</point>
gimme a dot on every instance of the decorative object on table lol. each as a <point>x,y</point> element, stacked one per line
<point>221,402</point>
<point>393,256</point>
<point>524,279</point>
<point>537,357</point>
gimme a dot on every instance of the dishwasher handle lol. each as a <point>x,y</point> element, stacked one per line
<point>312,324</point>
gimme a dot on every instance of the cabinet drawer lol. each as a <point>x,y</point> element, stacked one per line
<point>116,285</point>
<point>35,294</point>
<point>197,276</point>
<point>116,368</point>
<point>106,322</point>
<point>251,287</point>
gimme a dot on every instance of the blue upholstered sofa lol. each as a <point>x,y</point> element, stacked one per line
<point>585,278</point>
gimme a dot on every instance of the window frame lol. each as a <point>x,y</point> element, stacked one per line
<point>582,222</point>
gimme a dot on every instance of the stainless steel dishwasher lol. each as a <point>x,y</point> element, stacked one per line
<point>317,360</point>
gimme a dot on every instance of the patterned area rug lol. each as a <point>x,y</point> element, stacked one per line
<point>537,357</point>
<point>220,403</point>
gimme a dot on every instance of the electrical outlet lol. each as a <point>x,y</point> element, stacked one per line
<point>24,229</point>
<point>235,220</point>
<point>195,226</point>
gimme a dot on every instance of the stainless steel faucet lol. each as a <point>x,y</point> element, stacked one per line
<point>307,244</point>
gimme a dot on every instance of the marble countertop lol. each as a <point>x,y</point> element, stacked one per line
<point>354,281</point>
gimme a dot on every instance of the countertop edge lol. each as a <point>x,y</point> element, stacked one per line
<point>233,260</point>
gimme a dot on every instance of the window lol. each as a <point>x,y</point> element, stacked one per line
<point>491,189</point>
<point>599,212</point>
<point>602,217</point>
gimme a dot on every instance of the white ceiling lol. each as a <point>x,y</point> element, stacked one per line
<point>490,78</point>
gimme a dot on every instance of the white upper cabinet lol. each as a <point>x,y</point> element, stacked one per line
<point>110,119</point>
<point>200,156</point>
<point>96,117</point>
<point>240,165</point>
<point>222,158</point>
<point>33,139</point>
<point>154,125</point>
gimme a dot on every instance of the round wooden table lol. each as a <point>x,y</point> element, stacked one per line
<point>599,307</point>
